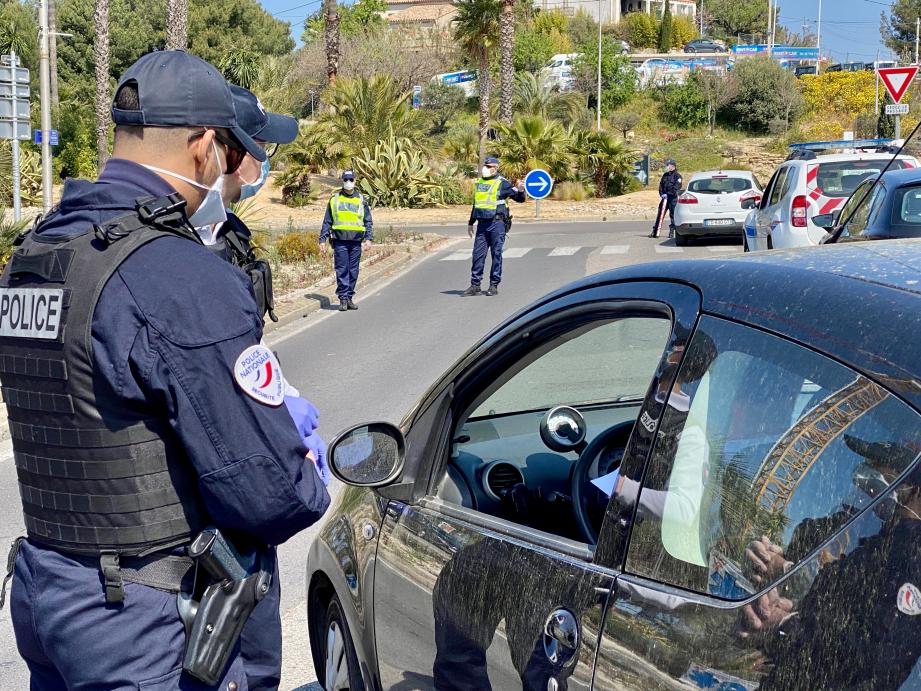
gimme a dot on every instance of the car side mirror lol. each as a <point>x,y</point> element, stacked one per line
<point>827,221</point>
<point>369,455</point>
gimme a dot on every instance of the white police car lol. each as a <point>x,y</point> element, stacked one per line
<point>812,183</point>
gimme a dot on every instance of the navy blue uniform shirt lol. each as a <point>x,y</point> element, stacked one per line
<point>167,331</point>
<point>506,191</point>
<point>327,228</point>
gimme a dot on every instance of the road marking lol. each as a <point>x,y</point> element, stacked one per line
<point>615,249</point>
<point>564,251</point>
<point>456,257</point>
<point>515,252</point>
<point>723,248</point>
<point>666,249</point>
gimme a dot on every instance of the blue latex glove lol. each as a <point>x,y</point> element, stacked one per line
<point>316,444</point>
<point>304,413</point>
<point>608,483</point>
<point>664,196</point>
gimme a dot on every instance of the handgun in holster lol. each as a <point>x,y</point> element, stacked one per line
<point>214,621</point>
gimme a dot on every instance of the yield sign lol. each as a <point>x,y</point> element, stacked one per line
<point>897,80</point>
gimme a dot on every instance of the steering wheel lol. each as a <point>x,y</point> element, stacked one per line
<point>617,437</point>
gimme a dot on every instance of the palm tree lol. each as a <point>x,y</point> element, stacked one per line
<point>241,66</point>
<point>533,98</point>
<point>101,56</point>
<point>534,142</point>
<point>177,24</point>
<point>332,41</point>
<point>507,68</point>
<point>608,160</point>
<point>362,112</point>
<point>476,29</point>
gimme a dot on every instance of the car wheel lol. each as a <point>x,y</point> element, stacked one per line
<point>341,671</point>
<point>681,240</point>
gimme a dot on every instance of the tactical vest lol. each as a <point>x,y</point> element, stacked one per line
<point>94,475</point>
<point>348,217</point>
<point>234,245</point>
<point>486,202</point>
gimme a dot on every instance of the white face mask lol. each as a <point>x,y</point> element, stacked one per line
<point>487,172</point>
<point>348,185</point>
<point>211,211</point>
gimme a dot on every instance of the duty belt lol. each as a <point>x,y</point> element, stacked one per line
<point>166,572</point>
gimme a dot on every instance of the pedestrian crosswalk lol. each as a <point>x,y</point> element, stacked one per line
<point>571,251</point>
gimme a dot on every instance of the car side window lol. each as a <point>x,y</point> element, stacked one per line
<point>766,196</point>
<point>766,442</point>
<point>779,188</point>
<point>862,216</point>
<point>502,462</point>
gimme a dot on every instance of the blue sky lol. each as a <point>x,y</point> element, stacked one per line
<point>850,28</point>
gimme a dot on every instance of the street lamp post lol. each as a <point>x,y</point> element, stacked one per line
<point>44,74</point>
<point>818,39</point>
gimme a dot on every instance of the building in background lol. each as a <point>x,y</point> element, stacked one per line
<point>613,10</point>
<point>421,15</point>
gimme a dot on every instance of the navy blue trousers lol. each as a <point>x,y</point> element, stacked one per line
<point>490,237</point>
<point>668,204</point>
<point>260,642</point>
<point>71,639</point>
<point>347,255</point>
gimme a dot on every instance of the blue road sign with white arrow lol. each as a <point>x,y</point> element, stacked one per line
<point>538,183</point>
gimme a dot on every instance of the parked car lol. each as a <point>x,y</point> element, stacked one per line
<point>704,45</point>
<point>879,210</point>
<point>558,71</point>
<point>694,474</point>
<point>660,72</point>
<point>716,202</point>
<point>808,185</point>
<point>803,70</point>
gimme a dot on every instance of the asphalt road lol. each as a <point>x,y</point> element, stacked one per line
<point>374,363</point>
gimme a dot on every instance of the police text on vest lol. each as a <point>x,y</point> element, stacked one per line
<point>31,312</point>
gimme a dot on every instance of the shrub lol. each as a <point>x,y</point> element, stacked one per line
<point>296,189</point>
<point>394,174</point>
<point>641,30</point>
<point>684,105</point>
<point>845,93</point>
<point>30,175</point>
<point>625,120</point>
<point>457,190</point>
<point>297,247</point>
<point>619,78</point>
<point>570,192</point>
<point>666,33</point>
<point>684,30</point>
<point>764,91</point>
<point>9,231</point>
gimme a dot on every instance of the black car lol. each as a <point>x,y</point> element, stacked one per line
<point>757,423</point>
<point>704,45</point>
<point>879,209</point>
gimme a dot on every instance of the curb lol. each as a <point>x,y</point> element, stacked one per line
<point>322,294</point>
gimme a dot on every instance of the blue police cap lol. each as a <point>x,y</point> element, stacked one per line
<point>176,89</point>
<point>491,161</point>
<point>348,175</point>
<point>670,162</point>
<point>260,124</point>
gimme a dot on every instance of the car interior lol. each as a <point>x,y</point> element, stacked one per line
<point>561,419</point>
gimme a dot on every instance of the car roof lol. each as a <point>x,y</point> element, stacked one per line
<point>837,158</point>
<point>902,176</point>
<point>747,174</point>
<point>858,302</point>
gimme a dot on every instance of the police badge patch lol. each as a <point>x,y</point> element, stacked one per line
<point>258,374</point>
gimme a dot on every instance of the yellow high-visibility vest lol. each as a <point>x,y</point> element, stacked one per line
<point>348,213</point>
<point>486,195</point>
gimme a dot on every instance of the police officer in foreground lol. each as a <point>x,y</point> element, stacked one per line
<point>261,639</point>
<point>144,413</point>
<point>669,189</point>
<point>493,219</point>
<point>349,229</point>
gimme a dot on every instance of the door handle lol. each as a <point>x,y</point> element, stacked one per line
<point>561,637</point>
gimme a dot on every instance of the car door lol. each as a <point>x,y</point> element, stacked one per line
<point>765,216</point>
<point>775,541</point>
<point>484,579</point>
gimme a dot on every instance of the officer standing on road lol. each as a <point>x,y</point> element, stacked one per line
<point>142,407</point>
<point>669,189</point>
<point>493,219</point>
<point>349,228</point>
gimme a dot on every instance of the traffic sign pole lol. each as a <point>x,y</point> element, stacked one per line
<point>17,197</point>
<point>538,184</point>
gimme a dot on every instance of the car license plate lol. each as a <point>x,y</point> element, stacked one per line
<point>718,222</point>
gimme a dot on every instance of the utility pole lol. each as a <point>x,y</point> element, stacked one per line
<point>917,30</point>
<point>701,18</point>
<point>44,75</point>
<point>598,96</point>
<point>876,94</point>
<point>770,30</point>
<point>17,202</point>
<point>818,39</point>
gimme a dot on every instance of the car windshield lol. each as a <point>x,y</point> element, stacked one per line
<point>719,184</point>
<point>841,178</point>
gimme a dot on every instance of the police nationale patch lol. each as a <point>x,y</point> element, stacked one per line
<point>258,374</point>
<point>909,601</point>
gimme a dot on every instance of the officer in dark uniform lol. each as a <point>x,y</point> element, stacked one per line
<point>142,407</point>
<point>669,189</point>
<point>493,219</point>
<point>349,228</point>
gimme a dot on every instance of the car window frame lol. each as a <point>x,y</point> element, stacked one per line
<point>779,187</point>
<point>445,397</point>
<point>766,192</point>
<point>871,200</point>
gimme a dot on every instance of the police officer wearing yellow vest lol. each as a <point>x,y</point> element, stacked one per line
<point>491,215</point>
<point>349,228</point>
